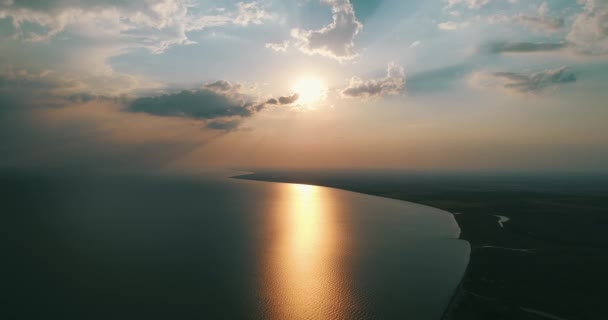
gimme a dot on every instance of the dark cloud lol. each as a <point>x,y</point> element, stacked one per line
<point>226,125</point>
<point>198,104</point>
<point>537,81</point>
<point>289,100</point>
<point>220,101</point>
<point>284,100</point>
<point>393,83</point>
<point>522,47</point>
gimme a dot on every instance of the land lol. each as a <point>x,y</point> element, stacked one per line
<point>546,259</point>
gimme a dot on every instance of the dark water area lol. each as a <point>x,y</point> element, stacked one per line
<point>210,247</point>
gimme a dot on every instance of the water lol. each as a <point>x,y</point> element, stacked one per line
<point>218,248</point>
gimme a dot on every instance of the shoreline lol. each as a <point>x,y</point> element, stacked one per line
<point>459,292</point>
<point>520,265</point>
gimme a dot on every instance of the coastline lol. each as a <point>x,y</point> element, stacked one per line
<point>459,292</point>
<point>515,265</point>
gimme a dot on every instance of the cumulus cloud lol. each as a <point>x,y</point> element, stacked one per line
<point>393,83</point>
<point>589,31</point>
<point>335,40</point>
<point>537,81</point>
<point>522,47</point>
<point>278,46</point>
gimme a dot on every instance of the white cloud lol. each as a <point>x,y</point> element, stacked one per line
<point>279,47</point>
<point>335,40</point>
<point>543,20</point>
<point>589,31</point>
<point>451,25</point>
<point>392,84</point>
<point>471,4</point>
<point>155,25</point>
<point>99,30</point>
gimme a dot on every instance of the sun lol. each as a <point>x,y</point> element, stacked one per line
<point>310,90</point>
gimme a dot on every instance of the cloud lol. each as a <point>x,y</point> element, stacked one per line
<point>154,24</point>
<point>542,21</point>
<point>525,83</point>
<point>225,125</point>
<point>50,83</point>
<point>393,83</point>
<point>82,36</point>
<point>471,4</point>
<point>335,40</point>
<point>196,104</point>
<point>522,47</point>
<point>251,13</point>
<point>279,47</point>
<point>220,103</point>
<point>222,86</point>
<point>451,25</point>
<point>290,99</point>
<point>284,100</point>
<point>589,31</point>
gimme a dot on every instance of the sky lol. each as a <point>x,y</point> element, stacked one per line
<point>187,84</point>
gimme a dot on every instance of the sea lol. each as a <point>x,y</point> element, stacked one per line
<point>206,246</point>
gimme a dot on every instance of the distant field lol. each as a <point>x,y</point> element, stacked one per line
<point>561,220</point>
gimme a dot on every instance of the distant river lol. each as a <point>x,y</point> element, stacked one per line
<point>211,247</point>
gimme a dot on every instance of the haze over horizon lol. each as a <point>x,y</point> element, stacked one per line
<point>188,84</point>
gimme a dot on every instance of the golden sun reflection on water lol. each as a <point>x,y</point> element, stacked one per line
<point>305,272</point>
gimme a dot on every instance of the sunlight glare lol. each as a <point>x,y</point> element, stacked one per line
<point>310,90</point>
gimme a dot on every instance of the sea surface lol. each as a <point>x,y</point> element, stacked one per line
<point>211,247</point>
